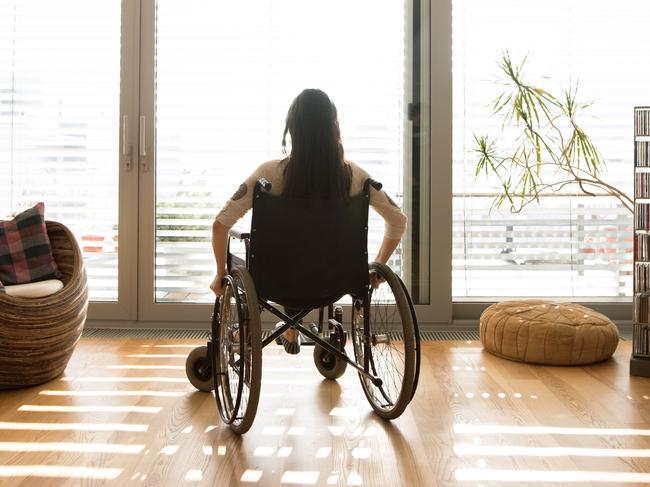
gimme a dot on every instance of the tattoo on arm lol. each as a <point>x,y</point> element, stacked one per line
<point>240,193</point>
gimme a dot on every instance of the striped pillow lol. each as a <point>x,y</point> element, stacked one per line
<point>25,251</point>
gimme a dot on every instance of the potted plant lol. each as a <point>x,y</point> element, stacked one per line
<point>550,150</point>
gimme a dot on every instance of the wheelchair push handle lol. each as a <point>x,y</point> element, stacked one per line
<point>371,182</point>
<point>264,184</point>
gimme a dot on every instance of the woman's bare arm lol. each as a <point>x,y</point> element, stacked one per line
<point>219,248</point>
<point>388,246</point>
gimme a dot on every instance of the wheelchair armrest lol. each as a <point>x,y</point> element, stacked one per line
<point>238,234</point>
<point>233,261</point>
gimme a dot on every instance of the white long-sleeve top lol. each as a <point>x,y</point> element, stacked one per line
<point>273,171</point>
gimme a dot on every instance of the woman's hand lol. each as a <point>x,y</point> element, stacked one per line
<point>217,284</point>
<point>376,280</point>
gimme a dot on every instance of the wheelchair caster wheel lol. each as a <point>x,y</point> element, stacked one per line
<point>199,369</point>
<point>329,365</point>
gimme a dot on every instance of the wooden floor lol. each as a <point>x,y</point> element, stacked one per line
<point>124,414</point>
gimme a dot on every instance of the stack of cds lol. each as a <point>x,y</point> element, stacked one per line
<point>642,184</point>
<point>641,308</point>
<point>641,250</point>
<point>642,154</point>
<point>642,122</point>
<point>642,276</point>
<point>642,217</point>
<point>641,340</point>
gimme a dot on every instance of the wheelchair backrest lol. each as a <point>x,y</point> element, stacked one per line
<point>308,253</point>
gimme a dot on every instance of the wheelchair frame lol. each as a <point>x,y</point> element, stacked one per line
<point>204,362</point>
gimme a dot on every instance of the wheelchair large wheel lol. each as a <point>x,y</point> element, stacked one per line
<point>379,349</point>
<point>237,352</point>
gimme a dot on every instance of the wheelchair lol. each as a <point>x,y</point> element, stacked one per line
<point>306,255</point>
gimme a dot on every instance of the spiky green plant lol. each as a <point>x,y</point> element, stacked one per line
<point>550,152</point>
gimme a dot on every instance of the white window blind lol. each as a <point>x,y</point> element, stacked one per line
<point>226,73</point>
<point>569,244</point>
<point>59,113</point>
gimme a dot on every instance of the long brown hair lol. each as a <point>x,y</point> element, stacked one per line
<point>315,168</point>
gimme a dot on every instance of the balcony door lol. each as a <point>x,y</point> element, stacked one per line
<point>134,121</point>
<point>216,80</point>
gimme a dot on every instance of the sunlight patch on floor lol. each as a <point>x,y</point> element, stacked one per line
<point>59,471</point>
<point>6,425</point>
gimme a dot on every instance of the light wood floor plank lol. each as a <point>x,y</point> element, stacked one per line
<point>124,414</point>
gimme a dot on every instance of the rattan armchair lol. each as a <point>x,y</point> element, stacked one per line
<point>38,335</point>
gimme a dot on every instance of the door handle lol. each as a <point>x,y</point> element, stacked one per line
<point>143,143</point>
<point>127,148</point>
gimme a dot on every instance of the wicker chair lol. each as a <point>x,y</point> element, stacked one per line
<point>38,335</point>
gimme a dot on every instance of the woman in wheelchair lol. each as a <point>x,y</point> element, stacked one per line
<point>307,248</point>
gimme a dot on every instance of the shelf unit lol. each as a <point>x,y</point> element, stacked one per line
<point>640,361</point>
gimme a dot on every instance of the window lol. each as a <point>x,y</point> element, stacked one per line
<point>224,77</point>
<point>138,120</point>
<point>59,115</point>
<point>226,74</point>
<point>569,244</point>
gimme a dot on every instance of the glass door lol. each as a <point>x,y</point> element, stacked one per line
<point>217,79</point>
<point>62,100</point>
<point>134,121</point>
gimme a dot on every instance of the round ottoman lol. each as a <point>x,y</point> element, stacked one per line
<point>543,332</point>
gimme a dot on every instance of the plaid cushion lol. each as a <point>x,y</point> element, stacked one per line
<point>25,251</point>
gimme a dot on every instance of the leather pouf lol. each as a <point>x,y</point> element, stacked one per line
<point>544,332</point>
